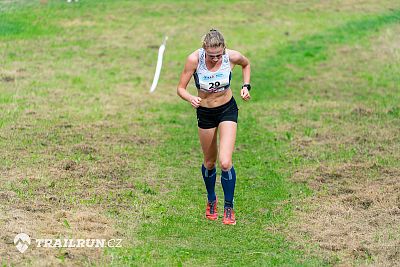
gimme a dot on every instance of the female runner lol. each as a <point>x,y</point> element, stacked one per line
<point>211,67</point>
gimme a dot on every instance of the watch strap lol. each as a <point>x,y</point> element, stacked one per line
<point>247,85</point>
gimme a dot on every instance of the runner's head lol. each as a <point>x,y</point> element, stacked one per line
<point>214,44</point>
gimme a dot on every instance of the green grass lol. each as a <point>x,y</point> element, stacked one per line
<point>79,124</point>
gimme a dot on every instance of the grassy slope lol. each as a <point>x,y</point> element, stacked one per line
<point>139,153</point>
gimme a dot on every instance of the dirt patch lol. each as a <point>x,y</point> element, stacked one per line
<point>361,111</point>
<point>7,79</point>
<point>84,149</point>
<point>9,76</point>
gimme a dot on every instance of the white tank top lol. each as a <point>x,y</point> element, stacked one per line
<point>212,81</point>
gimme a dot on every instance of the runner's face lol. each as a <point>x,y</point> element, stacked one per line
<point>214,53</point>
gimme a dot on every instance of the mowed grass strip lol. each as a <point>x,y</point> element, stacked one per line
<point>138,171</point>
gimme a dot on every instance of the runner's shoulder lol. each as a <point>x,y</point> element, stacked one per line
<point>193,59</point>
<point>234,55</point>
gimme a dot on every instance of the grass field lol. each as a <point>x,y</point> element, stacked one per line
<point>87,152</point>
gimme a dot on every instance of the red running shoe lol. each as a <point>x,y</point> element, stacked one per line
<point>229,216</point>
<point>211,210</point>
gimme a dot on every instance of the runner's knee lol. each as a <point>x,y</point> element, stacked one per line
<point>209,164</point>
<point>226,164</point>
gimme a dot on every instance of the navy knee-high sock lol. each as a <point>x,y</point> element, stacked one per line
<point>209,177</point>
<point>228,181</point>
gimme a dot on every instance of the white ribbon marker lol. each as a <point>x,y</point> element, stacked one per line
<point>159,64</point>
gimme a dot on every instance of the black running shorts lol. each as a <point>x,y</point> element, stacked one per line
<point>211,117</point>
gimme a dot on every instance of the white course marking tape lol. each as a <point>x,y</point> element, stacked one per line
<point>159,64</point>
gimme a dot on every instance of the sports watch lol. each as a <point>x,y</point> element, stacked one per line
<point>247,85</point>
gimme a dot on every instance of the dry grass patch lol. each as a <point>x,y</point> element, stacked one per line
<point>357,5</point>
<point>351,161</point>
<point>353,215</point>
<point>77,22</point>
<point>82,184</point>
<point>71,199</point>
<point>40,219</point>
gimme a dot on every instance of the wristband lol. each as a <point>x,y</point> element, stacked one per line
<point>247,85</point>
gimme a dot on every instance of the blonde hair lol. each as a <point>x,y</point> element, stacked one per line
<point>213,39</point>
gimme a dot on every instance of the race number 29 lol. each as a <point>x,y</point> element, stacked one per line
<point>214,85</point>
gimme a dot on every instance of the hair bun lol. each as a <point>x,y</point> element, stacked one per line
<point>213,38</point>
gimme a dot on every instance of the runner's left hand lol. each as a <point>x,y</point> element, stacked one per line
<point>244,93</point>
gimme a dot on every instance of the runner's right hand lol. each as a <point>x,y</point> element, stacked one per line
<point>195,101</point>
